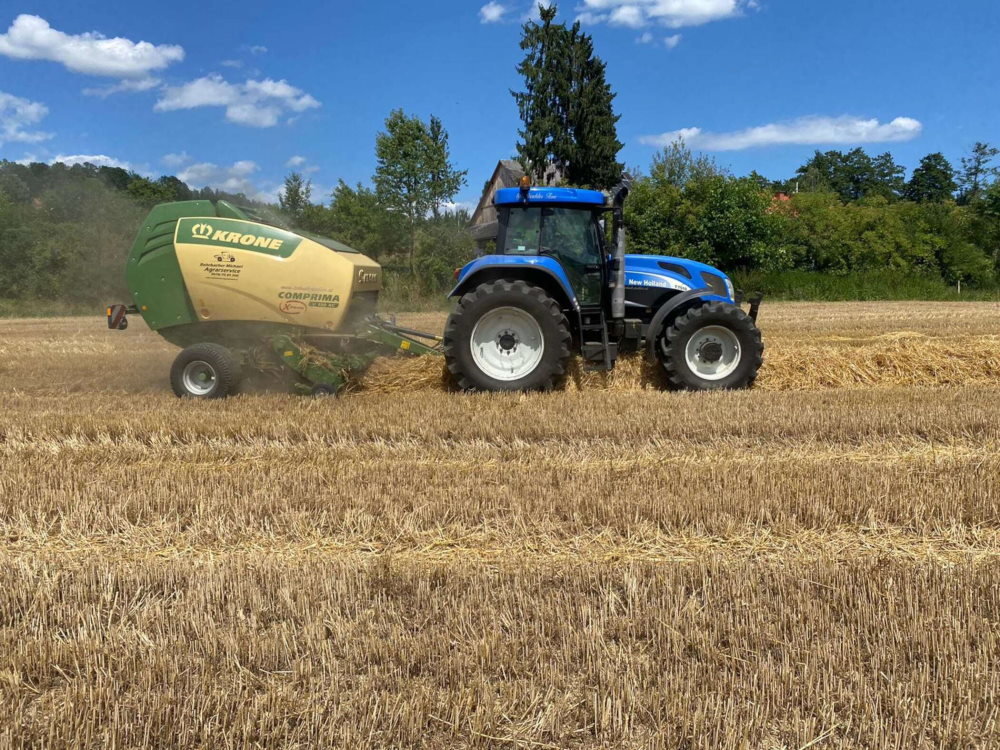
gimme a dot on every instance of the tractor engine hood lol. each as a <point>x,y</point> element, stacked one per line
<point>677,274</point>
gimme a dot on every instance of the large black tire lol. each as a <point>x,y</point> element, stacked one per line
<point>205,371</point>
<point>532,300</point>
<point>673,344</point>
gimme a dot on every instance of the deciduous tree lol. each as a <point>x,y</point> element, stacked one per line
<point>976,172</point>
<point>933,181</point>
<point>296,196</point>
<point>414,174</point>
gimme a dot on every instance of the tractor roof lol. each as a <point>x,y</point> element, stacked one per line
<point>544,195</point>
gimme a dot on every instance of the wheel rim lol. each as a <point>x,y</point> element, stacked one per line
<point>199,378</point>
<point>713,352</point>
<point>507,343</point>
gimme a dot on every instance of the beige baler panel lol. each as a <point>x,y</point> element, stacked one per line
<point>312,287</point>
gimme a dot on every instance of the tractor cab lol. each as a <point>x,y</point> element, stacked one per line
<point>554,286</point>
<point>562,224</point>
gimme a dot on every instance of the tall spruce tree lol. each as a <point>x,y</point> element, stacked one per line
<point>566,107</point>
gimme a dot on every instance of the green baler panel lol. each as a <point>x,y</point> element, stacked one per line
<point>227,210</point>
<point>154,275</point>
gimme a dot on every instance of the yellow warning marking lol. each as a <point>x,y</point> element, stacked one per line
<point>404,345</point>
<point>289,354</point>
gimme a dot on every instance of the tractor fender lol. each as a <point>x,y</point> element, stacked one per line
<point>671,306</point>
<point>542,272</point>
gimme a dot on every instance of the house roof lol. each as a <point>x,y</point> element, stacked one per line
<point>506,174</point>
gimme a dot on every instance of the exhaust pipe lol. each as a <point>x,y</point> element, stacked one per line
<point>618,262</point>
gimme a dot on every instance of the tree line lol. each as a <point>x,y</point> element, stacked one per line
<point>841,213</point>
<point>65,230</point>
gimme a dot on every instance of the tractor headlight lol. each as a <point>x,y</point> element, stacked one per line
<point>719,284</point>
<point>730,289</point>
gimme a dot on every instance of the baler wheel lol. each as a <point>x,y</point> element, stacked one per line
<point>205,371</point>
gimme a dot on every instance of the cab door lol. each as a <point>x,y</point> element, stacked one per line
<point>571,236</point>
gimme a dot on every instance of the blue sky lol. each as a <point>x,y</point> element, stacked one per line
<point>236,95</point>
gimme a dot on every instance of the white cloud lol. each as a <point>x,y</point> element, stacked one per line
<point>255,103</point>
<point>236,178</point>
<point>98,160</point>
<point>232,63</point>
<point>258,49</point>
<point>627,15</point>
<point>126,86</point>
<point>669,42</point>
<point>812,130</point>
<point>451,207</point>
<point>31,38</point>
<point>176,160</point>
<point>17,116</point>
<point>491,12</point>
<point>671,13</point>
<point>296,161</point>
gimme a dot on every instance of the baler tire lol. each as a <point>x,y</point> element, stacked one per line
<point>674,344</point>
<point>531,300</point>
<point>223,365</point>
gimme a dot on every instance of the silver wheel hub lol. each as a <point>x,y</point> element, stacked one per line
<point>507,343</point>
<point>199,378</point>
<point>713,352</point>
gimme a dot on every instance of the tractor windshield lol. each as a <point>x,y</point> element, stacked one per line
<point>568,234</point>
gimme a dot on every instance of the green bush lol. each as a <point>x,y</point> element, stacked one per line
<point>442,246</point>
<point>861,286</point>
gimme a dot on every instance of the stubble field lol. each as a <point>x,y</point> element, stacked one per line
<point>815,563</point>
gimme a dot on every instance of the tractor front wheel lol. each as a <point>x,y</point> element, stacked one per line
<point>507,336</point>
<point>714,346</point>
<point>205,371</point>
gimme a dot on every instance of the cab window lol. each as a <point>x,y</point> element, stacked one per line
<point>571,234</point>
<point>523,230</point>
<point>562,232</point>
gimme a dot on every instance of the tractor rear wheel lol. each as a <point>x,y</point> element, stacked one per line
<point>507,336</point>
<point>205,371</point>
<point>715,346</point>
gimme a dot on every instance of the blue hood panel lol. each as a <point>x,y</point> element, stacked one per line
<point>665,272</point>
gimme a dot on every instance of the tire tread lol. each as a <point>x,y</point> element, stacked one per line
<point>694,318</point>
<point>452,333</point>
<point>227,366</point>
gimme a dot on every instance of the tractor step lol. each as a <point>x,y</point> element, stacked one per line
<point>595,355</point>
<point>598,352</point>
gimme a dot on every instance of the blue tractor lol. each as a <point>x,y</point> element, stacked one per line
<point>554,288</point>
